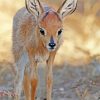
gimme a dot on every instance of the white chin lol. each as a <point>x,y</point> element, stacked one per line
<point>50,49</point>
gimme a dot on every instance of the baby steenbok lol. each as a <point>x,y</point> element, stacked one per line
<point>37,35</point>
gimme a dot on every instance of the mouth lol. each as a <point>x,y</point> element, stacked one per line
<point>51,49</point>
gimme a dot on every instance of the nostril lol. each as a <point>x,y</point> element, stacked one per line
<point>52,45</point>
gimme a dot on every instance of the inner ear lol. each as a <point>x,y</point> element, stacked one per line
<point>68,7</point>
<point>34,7</point>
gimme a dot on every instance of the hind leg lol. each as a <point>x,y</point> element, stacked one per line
<point>18,83</point>
<point>20,68</point>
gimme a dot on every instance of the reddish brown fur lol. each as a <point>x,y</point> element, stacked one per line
<point>34,83</point>
<point>31,47</point>
<point>49,82</point>
<point>51,23</point>
<point>26,84</point>
<point>26,27</point>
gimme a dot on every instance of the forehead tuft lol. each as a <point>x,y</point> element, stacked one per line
<point>51,15</point>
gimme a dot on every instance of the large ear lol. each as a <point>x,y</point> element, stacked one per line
<point>68,7</point>
<point>34,7</point>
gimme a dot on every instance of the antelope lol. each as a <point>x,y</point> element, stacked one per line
<point>37,35</point>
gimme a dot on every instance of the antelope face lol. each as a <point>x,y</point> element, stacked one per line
<point>50,22</point>
<point>50,30</point>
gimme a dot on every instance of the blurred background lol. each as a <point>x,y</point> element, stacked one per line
<point>81,31</point>
<point>81,46</point>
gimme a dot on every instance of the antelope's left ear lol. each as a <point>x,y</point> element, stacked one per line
<point>68,7</point>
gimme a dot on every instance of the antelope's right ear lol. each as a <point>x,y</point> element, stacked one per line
<point>68,7</point>
<point>34,7</point>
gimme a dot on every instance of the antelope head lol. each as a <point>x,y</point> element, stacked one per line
<point>49,22</point>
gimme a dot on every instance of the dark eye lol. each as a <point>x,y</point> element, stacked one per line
<point>60,31</point>
<point>42,31</point>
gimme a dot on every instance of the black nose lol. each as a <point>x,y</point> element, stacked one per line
<point>52,45</point>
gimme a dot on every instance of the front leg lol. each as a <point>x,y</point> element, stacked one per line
<point>33,72</point>
<point>34,80</point>
<point>49,75</point>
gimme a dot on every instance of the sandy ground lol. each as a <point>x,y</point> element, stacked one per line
<point>70,82</point>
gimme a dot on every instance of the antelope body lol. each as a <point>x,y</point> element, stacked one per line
<point>37,35</point>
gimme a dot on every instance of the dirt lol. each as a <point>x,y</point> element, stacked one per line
<point>70,82</point>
